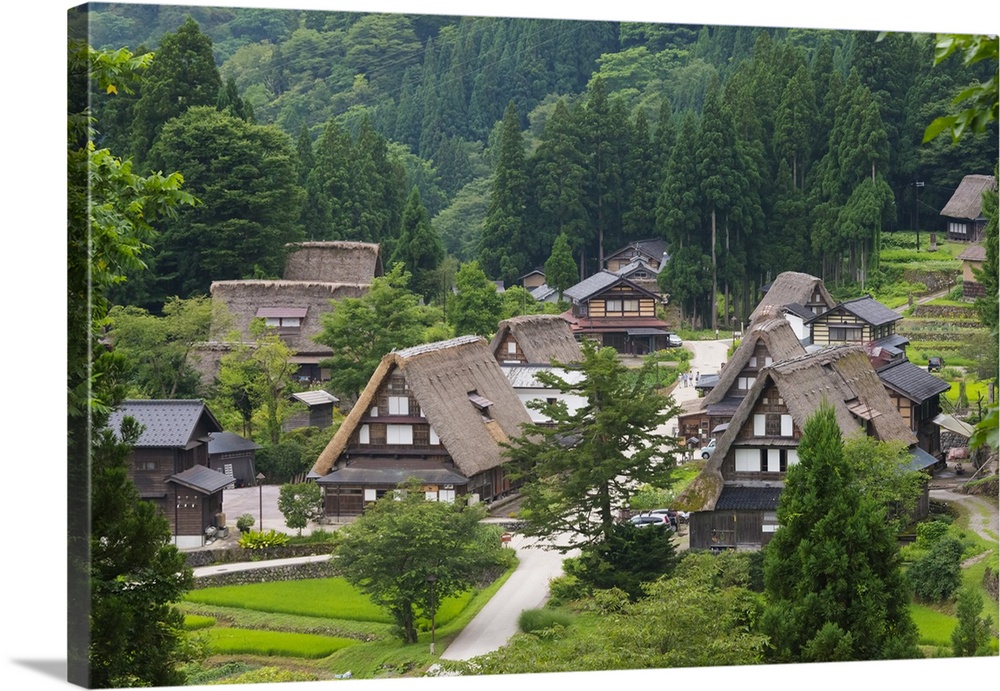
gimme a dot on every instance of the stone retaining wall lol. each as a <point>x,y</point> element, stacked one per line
<point>268,574</point>
<point>231,555</point>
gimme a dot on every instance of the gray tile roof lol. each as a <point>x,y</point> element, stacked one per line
<point>318,397</point>
<point>229,442</point>
<point>871,310</point>
<point>594,284</point>
<point>168,423</point>
<point>920,459</point>
<point>202,479</point>
<point>736,498</point>
<point>912,381</point>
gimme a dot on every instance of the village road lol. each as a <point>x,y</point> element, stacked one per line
<point>527,588</point>
<point>707,358</point>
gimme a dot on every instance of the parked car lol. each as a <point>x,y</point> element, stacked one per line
<point>647,519</point>
<point>674,517</point>
<point>674,341</point>
<point>707,449</point>
<point>934,364</point>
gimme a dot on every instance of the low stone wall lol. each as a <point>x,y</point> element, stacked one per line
<point>232,555</point>
<point>934,280</point>
<point>269,574</point>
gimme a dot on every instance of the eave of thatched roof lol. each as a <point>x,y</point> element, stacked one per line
<point>967,201</point>
<point>781,342</point>
<point>790,287</point>
<point>541,337</point>
<point>440,376</point>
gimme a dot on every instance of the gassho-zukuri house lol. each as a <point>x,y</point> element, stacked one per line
<point>437,412</point>
<point>733,501</point>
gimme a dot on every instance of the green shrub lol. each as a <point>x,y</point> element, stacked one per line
<point>269,675</point>
<point>533,620</point>
<point>245,522</point>
<point>261,540</point>
<point>566,589</point>
<point>936,575</point>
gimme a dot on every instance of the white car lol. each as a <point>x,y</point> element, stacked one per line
<point>674,341</point>
<point>707,449</point>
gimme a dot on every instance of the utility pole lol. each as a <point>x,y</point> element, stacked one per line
<point>916,206</point>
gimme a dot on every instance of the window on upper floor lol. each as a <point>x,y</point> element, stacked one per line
<point>772,425</point>
<point>399,434</point>
<point>845,333</point>
<point>399,405</point>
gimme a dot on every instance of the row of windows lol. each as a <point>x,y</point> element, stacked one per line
<point>765,460</point>
<point>845,333</point>
<point>616,305</point>
<point>396,434</point>
<point>284,322</point>
<point>772,425</point>
<point>956,228</point>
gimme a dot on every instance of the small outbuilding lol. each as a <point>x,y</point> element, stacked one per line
<point>235,456</point>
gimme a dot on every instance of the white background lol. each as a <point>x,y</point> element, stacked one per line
<point>33,492</point>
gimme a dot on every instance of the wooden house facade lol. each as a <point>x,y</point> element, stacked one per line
<point>972,258</point>
<point>617,313</point>
<point>963,214</point>
<point>862,321</point>
<point>235,456</point>
<point>733,501</point>
<point>916,394</point>
<point>766,342</point>
<point>169,464</point>
<point>437,413</point>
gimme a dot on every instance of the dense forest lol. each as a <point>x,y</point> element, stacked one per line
<point>751,151</point>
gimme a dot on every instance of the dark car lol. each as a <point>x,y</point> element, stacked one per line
<point>934,364</point>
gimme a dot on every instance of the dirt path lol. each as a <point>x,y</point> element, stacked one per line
<point>984,512</point>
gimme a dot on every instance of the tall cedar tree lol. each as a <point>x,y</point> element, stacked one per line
<point>560,270</point>
<point>389,551</point>
<point>419,246</point>
<point>246,177</point>
<point>502,243</point>
<point>833,576</point>
<point>558,175</point>
<point>585,465</point>
<point>605,187</point>
<point>325,211</point>
<point>122,573</point>
<point>183,74</point>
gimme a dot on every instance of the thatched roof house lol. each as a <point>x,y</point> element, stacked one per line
<point>793,288</point>
<point>963,213</point>
<point>535,339</point>
<point>735,495</point>
<point>766,342</point>
<point>333,262</point>
<point>437,412</point>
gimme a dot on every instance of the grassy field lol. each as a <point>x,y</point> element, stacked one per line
<point>313,629</point>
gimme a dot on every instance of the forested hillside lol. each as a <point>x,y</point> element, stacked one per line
<point>751,151</point>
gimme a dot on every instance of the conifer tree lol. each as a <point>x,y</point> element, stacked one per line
<point>833,576</point>
<point>502,245</point>
<point>183,74</point>
<point>419,246</point>
<point>476,307</point>
<point>560,269</point>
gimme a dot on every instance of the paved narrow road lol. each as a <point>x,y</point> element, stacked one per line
<point>527,588</point>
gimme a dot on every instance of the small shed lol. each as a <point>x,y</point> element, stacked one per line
<point>972,261</point>
<point>319,410</point>
<point>233,455</point>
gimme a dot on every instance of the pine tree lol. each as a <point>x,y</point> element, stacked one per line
<point>419,246</point>
<point>183,74</point>
<point>560,269</point>
<point>501,245</point>
<point>833,576</point>
<point>558,176</point>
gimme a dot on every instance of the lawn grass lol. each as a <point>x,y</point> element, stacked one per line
<point>315,597</point>
<point>232,641</point>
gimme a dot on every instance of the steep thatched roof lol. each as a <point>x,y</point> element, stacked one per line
<point>333,262</point>
<point>790,287</point>
<point>841,376</point>
<point>781,342</point>
<point>967,201</point>
<point>541,337</point>
<point>441,376</point>
<point>246,299</point>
